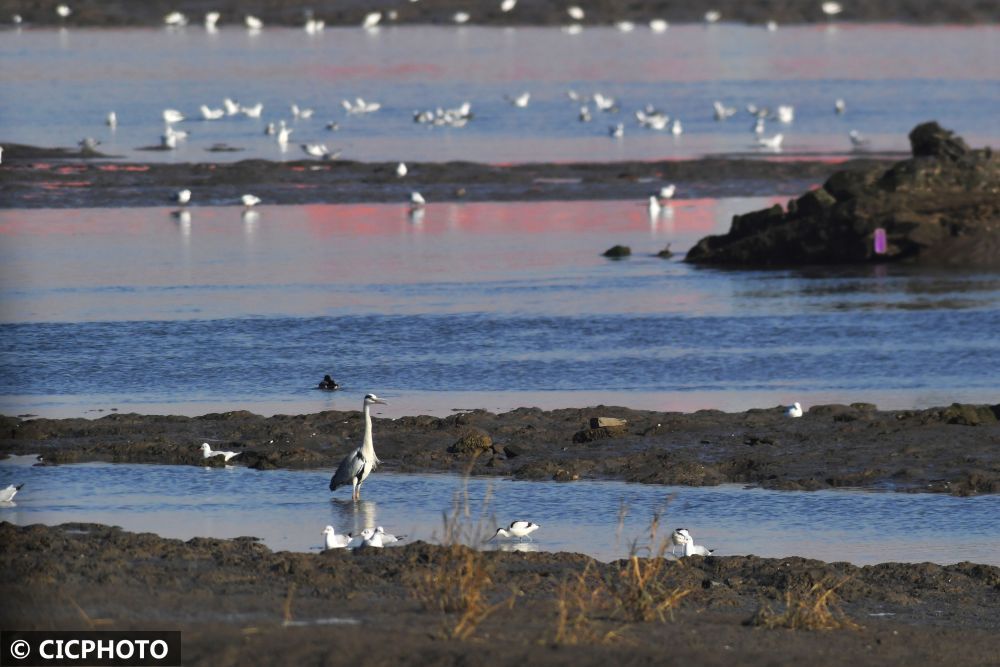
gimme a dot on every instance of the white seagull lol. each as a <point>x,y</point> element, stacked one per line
<point>175,19</point>
<point>460,17</point>
<point>253,23</point>
<point>211,114</point>
<point>112,120</point>
<point>794,410</point>
<point>831,8</point>
<point>712,16</point>
<point>387,538</point>
<point>401,169</point>
<point>617,131</point>
<point>507,5</point>
<point>7,494</point>
<point>839,105</point>
<point>63,11</point>
<point>658,25</point>
<point>250,200</point>
<point>252,112</point>
<point>653,206</point>
<point>677,539</point>
<point>786,113</point>
<point>722,112</point>
<point>518,529</point>
<point>333,541</point>
<point>774,143</point>
<point>667,192</point>
<point>172,116</point>
<point>357,465</point>
<point>520,101</point>
<point>371,20</point>
<point>690,548</point>
<point>232,108</point>
<point>575,13</point>
<point>211,18</point>
<point>416,200</point>
<point>207,452</point>
<point>370,538</point>
<point>316,150</point>
<point>183,197</point>
<point>300,112</point>
<point>858,140</point>
<point>676,128</point>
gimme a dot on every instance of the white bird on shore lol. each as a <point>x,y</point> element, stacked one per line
<point>371,20</point>
<point>207,452</point>
<point>211,18</point>
<point>252,112</point>
<point>520,101</point>
<point>794,410</point>
<point>401,169</point>
<point>250,200</point>
<point>333,541</point>
<point>771,26</point>
<point>667,192</point>
<point>172,116</point>
<point>357,465</point>
<point>315,150</point>
<point>232,107</point>
<point>840,106</point>
<point>508,5</point>
<point>712,16</point>
<point>370,538</point>
<point>417,200</point>
<point>831,8</point>
<point>460,17</point>
<point>7,494</point>
<point>617,131</point>
<point>774,143</point>
<point>388,538</point>
<point>858,140</point>
<point>676,128</point>
<point>175,20</point>
<point>183,197</point>
<point>677,539</point>
<point>658,25</point>
<point>690,548</point>
<point>112,120</point>
<point>722,112</point>
<point>518,529</point>
<point>211,114</point>
<point>63,11</point>
<point>786,113</point>
<point>253,23</point>
<point>653,207</point>
<point>575,13</point>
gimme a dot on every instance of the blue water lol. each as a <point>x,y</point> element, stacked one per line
<point>288,510</point>
<point>59,86</point>
<point>489,305</point>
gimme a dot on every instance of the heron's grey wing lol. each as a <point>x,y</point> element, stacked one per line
<point>348,469</point>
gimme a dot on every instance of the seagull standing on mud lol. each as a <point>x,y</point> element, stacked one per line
<point>333,541</point>
<point>357,465</point>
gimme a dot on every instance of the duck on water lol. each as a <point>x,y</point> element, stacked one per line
<point>328,383</point>
<point>357,465</point>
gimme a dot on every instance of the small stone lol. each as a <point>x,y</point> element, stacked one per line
<point>618,252</point>
<point>513,451</point>
<point>472,442</point>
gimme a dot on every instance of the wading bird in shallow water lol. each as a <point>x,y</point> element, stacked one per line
<point>333,541</point>
<point>7,494</point>
<point>250,200</point>
<point>357,465</point>
<point>518,529</point>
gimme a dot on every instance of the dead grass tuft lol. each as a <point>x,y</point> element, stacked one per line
<point>815,609</point>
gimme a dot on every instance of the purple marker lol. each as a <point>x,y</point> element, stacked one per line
<point>880,242</point>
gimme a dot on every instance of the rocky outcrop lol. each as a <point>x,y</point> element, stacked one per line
<point>942,206</point>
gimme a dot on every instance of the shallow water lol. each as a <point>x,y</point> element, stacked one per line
<point>490,305</point>
<point>288,510</point>
<point>891,76</point>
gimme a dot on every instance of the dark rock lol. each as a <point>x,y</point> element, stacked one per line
<point>666,253</point>
<point>513,451</point>
<point>618,251</point>
<point>472,442</point>
<point>940,206</point>
<point>602,433</point>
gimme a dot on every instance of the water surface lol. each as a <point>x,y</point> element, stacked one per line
<point>288,510</point>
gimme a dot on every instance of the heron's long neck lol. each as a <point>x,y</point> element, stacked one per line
<point>368,447</point>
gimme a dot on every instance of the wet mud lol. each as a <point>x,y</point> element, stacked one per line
<point>112,13</point>
<point>238,603</point>
<point>953,449</point>
<point>57,178</point>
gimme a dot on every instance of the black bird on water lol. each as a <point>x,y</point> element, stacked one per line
<point>328,383</point>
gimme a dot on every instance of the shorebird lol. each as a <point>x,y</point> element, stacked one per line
<point>316,150</point>
<point>653,206</point>
<point>603,103</point>
<point>667,192</point>
<point>301,113</point>
<point>63,11</point>
<point>416,200</point>
<point>786,113</point>
<point>794,410</point>
<point>839,105</point>
<point>518,529</point>
<point>676,128</point>
<point>520,101</point>
<point>207,452</point>
<point>183,197</point>
<point>211,18</point>
<point>357,465</point>
<point>175,19</point>
<point>7,494</point>
<point>773,143</point>
<point>386,537</point>
<point>284,132</point>
<point>658,25</point>
<point>401,169</point>
<point>333,541</point>
<point>651,118</point>
<point>617,131</point>
<point>314,26</point>
<point>370,538</point>
<point>172,116</point>
<point>211,114</point>
<point>252,112</point>
<point>575,13</point>
<point>460,17</point>
<point>507,5</point>
<point>253,23</point>
<point>250,200</point>
<point>112,120</point>
<point>690,548</point>
<point>232,108</point>
<point>858,140</point>
<point>712,16</point>
<point>371,20</point>
<point>722,112</point>
<point>831,8</point>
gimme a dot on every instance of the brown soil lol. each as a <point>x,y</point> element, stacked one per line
<point>238,603</point>
<point>949,450</point>
<point>533,12</point>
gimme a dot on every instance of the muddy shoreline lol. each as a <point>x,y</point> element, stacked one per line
<point>236,602</point>
<point>117,13</point>
<point>953,449</point>
<point>56,178</point>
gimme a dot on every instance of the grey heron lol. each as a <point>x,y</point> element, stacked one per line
<point>357,465</point>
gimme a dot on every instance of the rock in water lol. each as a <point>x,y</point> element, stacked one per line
<point>618,251</point>
<point>938,207</point>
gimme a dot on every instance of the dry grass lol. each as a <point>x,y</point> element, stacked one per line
<point>457,579</point>
<point>815,609</point>
<point>582,599</point>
